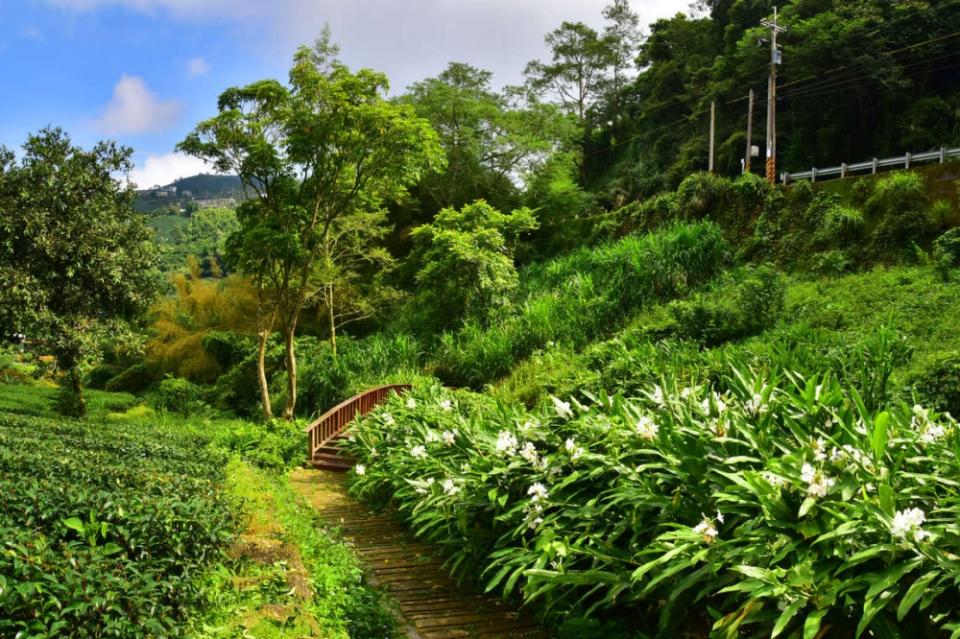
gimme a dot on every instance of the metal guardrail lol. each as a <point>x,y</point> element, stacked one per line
<point>874,165</point>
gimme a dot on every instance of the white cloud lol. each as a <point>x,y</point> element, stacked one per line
<point>135,109</point>
<point>197,67</point>
<point>160,170</point>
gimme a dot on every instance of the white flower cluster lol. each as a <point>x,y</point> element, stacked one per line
<point>538,495</point>
<point>411,403</point>
<point>450,487</point>
<point>506,443</point>
<point>658,397</point>
<point>446,405</point>
<point>563,408</point>
<point>422,487</point>
<point>929,430</point>
<point>708,527</point>
<point>573,449</point>
<point>647,428</point>
<point>907,524</point>
<point>360,470</point>
<point>449,437</point>
<point>388,419</point>
<point>418,452</point>
<point>818,483</point>
<point>755,406</point>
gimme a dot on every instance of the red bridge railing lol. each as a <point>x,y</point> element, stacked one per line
<point>336,420</point>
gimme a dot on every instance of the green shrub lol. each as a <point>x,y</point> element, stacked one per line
<point>900,209</point>
<point>703,195</point>
<point>228,348</point>
<point>843,222</point>
<point>98,376</point>
<point>834,262</point>
<point>936,382</point>
<point>179,396</point>
<point>752,301</point>
<point>274,445</point>
<point>946,248</point>
<point>135,379</point>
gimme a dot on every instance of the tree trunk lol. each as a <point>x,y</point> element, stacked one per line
<point>76,386</point>
<point>262,336</point>
<point>289,333</point>
<point>333,322</point>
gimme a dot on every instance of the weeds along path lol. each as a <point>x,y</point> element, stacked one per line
<point>432,604</point>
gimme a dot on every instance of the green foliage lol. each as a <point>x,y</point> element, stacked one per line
<point>466,263</point>
<point>273,445</point>
<point>322,156</point>
<point>134,379</point>
<point>702,195</point>
<point>203,237</point>
<point>582,296</point>
<point>179,396</point>
<point>76,260</point>
<point>97,545</point>
<point>563,207</point>
<point>901,207</point>
<point>946,252</point>
<point>701,505</point>
<point>935,381</point>
<point>753,303</point>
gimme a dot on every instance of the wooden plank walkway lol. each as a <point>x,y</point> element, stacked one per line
<point>433,605</point>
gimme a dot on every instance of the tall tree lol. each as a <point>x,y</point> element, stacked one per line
<point>314,154</point>
<point>76,260</point>
<point>576,74</point>
<point>466,261</point>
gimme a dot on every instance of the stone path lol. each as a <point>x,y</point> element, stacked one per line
<point>433,605</point>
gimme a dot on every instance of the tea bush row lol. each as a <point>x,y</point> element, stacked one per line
<point>105,529</point>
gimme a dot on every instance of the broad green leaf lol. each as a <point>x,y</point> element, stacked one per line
<point>914,593</point>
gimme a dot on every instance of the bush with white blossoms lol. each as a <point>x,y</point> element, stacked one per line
<point>829,519</point>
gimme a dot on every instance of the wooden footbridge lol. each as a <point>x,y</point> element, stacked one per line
<point>412,573</point>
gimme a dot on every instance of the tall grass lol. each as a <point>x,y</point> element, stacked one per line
<point>582,296</point>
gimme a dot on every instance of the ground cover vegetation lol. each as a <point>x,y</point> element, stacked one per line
<point>693,405</point>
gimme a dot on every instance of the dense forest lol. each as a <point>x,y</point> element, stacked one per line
<point>648,399</point>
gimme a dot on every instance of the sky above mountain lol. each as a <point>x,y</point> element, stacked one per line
<point>143,72</point>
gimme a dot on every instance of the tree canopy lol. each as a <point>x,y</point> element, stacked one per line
<point>76,259</point>
<point>317,155</point>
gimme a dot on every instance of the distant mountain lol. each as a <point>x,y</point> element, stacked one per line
<point>202,190</point>
<point>204,185</point>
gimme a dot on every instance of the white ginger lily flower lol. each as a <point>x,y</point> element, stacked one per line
<point>647,428</point>
<point>419,452</point>
<point>562,407</point>
<point>506,443</point>
<point>907,524</point>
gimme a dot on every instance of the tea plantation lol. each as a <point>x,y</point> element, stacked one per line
<point>106,527</point>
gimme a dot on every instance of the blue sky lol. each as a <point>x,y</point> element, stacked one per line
<point>145,71</point>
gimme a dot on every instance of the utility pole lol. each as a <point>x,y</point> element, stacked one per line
<point>713,128</point>
<point>775,59</point>
<point>746,160</point>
